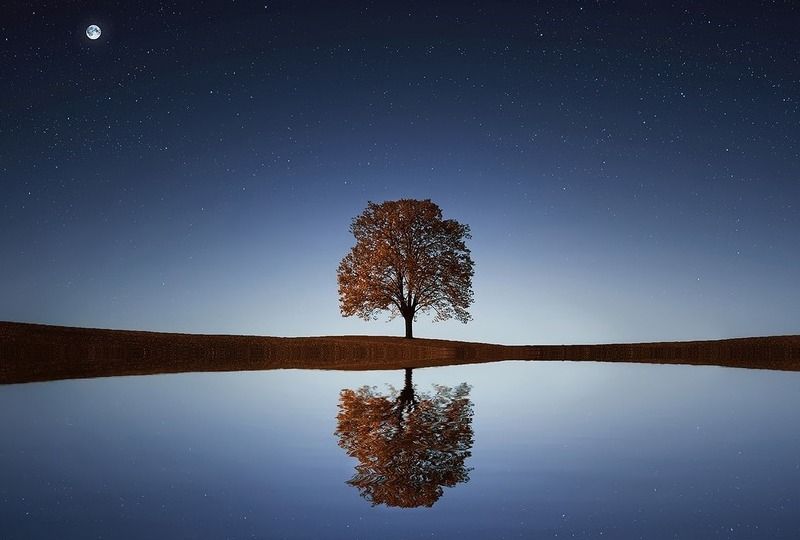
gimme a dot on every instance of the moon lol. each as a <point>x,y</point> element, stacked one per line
<point>93,31</point>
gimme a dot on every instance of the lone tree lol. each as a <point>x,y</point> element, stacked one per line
<point>407,259</point>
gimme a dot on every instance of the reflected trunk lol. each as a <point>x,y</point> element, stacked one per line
<point>406,399</point>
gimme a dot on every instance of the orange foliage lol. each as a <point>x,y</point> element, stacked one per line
<point>407,259</point>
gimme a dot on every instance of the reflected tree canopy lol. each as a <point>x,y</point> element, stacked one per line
<point>409,444</point>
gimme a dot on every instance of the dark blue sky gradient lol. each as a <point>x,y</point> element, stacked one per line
<point>629,171</point>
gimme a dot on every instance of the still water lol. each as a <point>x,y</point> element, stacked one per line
<point>503,450</point>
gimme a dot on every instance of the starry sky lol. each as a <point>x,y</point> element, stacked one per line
<point>630,171</point>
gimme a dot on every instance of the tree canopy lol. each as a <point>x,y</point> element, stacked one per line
<point>407,259</point>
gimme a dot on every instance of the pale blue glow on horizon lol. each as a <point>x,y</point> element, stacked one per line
<point>542,276</point>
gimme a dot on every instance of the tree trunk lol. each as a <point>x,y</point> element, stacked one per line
<point>409,319</point>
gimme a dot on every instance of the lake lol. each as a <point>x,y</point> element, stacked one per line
<point>501,450</point>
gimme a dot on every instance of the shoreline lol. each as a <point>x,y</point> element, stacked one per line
<point>36,352</point>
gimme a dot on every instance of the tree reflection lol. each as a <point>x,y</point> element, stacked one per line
<point>409,444</point>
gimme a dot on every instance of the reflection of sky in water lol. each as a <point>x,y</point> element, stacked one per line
<point>563,448</point>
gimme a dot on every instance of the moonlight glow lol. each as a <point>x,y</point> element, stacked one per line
<point>93,31</point>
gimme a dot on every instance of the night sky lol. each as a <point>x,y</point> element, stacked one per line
<point>630,172</point>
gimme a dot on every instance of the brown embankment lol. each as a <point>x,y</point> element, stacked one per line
<point>32,352</point>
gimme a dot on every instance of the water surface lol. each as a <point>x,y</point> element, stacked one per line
<point>552,450</point>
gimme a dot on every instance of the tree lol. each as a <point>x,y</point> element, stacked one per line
<point>406,260</point>
<point>409,445</point>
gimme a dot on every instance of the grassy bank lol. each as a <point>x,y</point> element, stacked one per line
<point>32,352</point>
